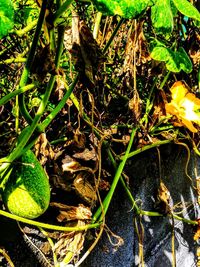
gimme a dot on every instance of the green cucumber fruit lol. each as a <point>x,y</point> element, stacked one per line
<point>27,192</point>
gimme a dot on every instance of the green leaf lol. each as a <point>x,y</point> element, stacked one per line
<point>125,8</point>
<point>6,17</point>
<point>159,53</point>
<point>162,17</point>
<point>175,61</point>
<point>184,60</point>
<point>187,9</point>
<point>173,8</point>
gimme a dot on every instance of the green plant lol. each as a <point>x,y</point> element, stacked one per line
<point>105,86</point>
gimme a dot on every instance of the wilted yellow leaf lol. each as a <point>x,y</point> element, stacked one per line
<point>184,105</point>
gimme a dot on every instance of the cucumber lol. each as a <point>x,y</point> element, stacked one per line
<point>27,192</point>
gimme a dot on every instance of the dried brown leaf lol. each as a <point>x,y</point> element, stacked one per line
<point>86,155</point>
<point>163,199</point>
<point>70,213</point>
<point>43,149</point>
<point>69,245</point>
<point>84,188</point>
<point>71,165</point>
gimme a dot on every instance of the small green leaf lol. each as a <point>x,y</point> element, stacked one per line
<point>125,8</point>
<point>175,60</point>
<point>162,17</point>
<point>187,9</point>
<point>6,17</point>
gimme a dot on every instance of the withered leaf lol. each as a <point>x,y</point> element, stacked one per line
<point>70,244</point>
<point>135,105</point>
<point>85,52</point>
<point>71,165</point>
<point>43,149</point>
<point>84,188</point>
<point>43,63</point>
<point>86,155</point>
<point>163,199</point>
<point>70,213</point>
<point>79,139</point>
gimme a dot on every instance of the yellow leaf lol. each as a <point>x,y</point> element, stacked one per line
<point>184,106</point>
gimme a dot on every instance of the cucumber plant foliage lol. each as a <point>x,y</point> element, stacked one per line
<point>126,8</point>
<point>161,11</point>
<point>175,60</point>
<point>6,17</point>
<point>162,18</point>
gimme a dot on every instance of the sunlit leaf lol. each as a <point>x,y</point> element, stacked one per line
<point>6,17</point>
<point>175,60</point>
<point>185,106</point>
<point>187,9</point>
<point>125,8</point>
<point>162,17</point>
<point>184,60</point>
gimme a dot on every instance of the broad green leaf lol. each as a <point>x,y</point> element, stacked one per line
<point>175,60</point>
<point>187,9</point>
<point>172,63</point>
<point>125,8</point>
<point>6,17</point>
<point>162,17</point>
<point>160,53</point>
<point>184,60</point>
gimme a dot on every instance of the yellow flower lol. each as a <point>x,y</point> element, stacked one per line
<point>184,106</point>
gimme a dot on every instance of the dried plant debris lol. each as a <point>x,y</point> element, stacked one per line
<point>71,213</point>
<point>84,188</point>
<point>43,150</point>
<point>69,245</point>
<point>163,199</point>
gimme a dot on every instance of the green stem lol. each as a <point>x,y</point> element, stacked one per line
<point>52,115</point>
<point>156,129</point>
<point>54,142</point>
<point>113,35</point>
<point>61,10</point>
<point>157,214</point>
<point>13,60</point>
<point>46,225</point>
<point>149,103</point>
<point>118,173</point>
<point>29,130</point>
<point>51,243</point>
<point>165,80</point>
<point>19,91</point>
<point>130,196</point>
<point>6,49</point>
<point>26,71</point>
<point>147,147</point>
<point>28,28</point>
